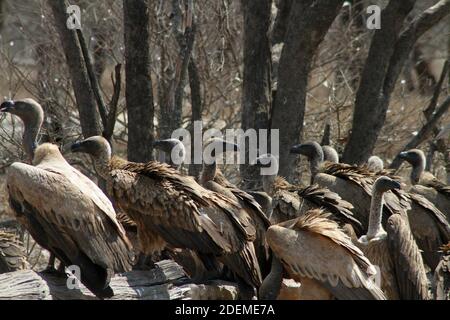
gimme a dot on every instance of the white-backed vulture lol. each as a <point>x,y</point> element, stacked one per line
<point>12,253</point>
<point>394,251</point>
<point>442,275</point>
<point>330,154</point>
<point>212,178</point>
<point>172,208</point>
<point>354,184</point>
<point>174,151</point>
<point>290,201</point>
<point>64,211</point>
<point>315,252</point>
<point>425,183</point>
<point>374,164</point>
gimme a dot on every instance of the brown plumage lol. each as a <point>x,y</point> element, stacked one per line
<point>290,201</point>
<point>395,250</point>
<point>67,214</point>
<point>64,211</point>
<point>355,183</point>
<point>425,183</point>
<point>316,253</point>
<point>12,253</point>
<point>172,208</point>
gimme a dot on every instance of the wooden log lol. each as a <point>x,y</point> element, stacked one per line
<point>167,281</point>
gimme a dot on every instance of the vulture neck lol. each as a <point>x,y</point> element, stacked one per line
<point>417,171</point>
<point>29,138</point>
<point>314,166</point>
<point>376,211</point>
<point>269,184</point>
<point>208,172</point>
<point>102,162</point>
<point>270,288</point>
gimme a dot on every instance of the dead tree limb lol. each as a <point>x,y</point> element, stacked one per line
<point>165,282</point>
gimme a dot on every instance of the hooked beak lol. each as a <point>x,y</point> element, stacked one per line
<point>7,106</point>
<point>296,149</point>
<point>396,185</point>
<point>76,147</point>
<point>403,155</point>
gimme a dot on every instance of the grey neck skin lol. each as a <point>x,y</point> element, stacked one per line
<point>376,211</point>
<point>29,138</point>
<point>101,162</point>
<point>417,171</point>
<point>208,172</point>
<point>270,288</point>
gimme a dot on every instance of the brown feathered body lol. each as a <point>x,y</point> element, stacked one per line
<point>254,215</point>
<point>12,253</point>
<point>67,214</point>
<point>354,184</point>
<point>315,252</point>
<point>172,208</point>
<point>290,201</point>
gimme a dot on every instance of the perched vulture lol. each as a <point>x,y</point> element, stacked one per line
<point>172,208</point>
<point>63,210</point>
<point>12,253</point>
<point>290,201</point>
<point>315,252</point>
<point>354,184</point>
<point>425,183</point>
<point>394,251</point>
<point>212,178</point>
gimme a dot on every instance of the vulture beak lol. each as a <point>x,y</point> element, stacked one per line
<point>7,106</point>
<point>396,185</point>
<point>403,155</point>
<point>76,147</point>
<point>296,149</point>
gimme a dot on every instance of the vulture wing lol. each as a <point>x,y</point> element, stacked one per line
<point>70,222</point>
<point>186,215</point>
<point>410,272</point>
<point>314,247</point>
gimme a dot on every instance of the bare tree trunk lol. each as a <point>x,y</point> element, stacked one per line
<point>385,61</point>
<point>256,96</point>
<point>281,21</point>
<point>89,117</point>
<point>196,115</point>
<point>184,30</point>
<point>308,23</point>
<point>138,88</point>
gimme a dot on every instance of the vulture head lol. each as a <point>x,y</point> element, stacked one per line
<point>384,184</point>
<point>173,147</point>
<point>311,150</point>
<point>415,157</point>
<point>216,146</point>
<point>96,146</point>
<point>32,116</point>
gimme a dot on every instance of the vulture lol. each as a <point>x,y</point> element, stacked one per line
<point>290,201</point>
<point>442,275</point>
<point>12,253</point>
<point>171,208</point>
<point>212,178</point>
<point>314,251</point>
<point>330,154</point>
<point>354,184</point>
<point>375,164</point>
<point>425,183</point>
<point>174,151</point>
<point>394,250</point>
<point>63,210</point>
